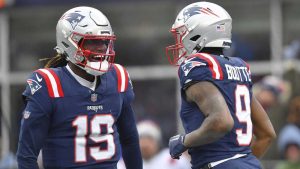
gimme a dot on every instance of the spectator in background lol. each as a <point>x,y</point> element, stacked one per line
<point>153,157</point>
<point>271,90</point>
<point>289,138</point>
<point>273,93</point>
<point>294,112</point>
<point>292,50</point>
<point>289,147</point>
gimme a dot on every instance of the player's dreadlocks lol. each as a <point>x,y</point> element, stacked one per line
<point>57,61</point>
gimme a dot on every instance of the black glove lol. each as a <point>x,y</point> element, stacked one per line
<point>176,146</point>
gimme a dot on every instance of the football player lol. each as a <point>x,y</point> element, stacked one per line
<point>225,126</point>
<point>78,109</point>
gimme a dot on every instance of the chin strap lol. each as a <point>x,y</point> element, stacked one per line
<point>97,68</point>
<point>199,46</point>
<point>197,49</point>
<point>94,72</point>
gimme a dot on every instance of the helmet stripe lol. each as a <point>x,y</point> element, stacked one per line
<point>206,10</point>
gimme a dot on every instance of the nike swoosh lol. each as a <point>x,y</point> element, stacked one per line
<point>38,78</point>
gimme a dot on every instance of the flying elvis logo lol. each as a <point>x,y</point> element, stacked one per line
<point>190,65</point>
<point>73,18</point>
<point>33,85</point>
<point>197,10</point>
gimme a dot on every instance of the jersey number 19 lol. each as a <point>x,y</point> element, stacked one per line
<point>98,123</point>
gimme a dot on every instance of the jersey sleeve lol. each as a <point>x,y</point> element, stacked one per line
<point>126,123</point>
<point>129,138</point>
<point>35,122</point>
<point>124,82</point>
<point>199,67</point>
<point>129,93</point>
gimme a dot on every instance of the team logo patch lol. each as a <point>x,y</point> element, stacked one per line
<point>34,85</point>
<point>74,19</point>
<point>26,114</point>
<point>190,65</point>
<point>197,10</point>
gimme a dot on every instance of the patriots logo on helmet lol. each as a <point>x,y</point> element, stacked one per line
<point>74,19</point>
<point>197,10</point>
<point>190,65</point>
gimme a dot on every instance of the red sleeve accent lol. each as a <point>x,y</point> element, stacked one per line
<point>59,87</point>
<point>214,65</point>
<point>48,83</point>
<point>52,81</point>
<point>122,77</point>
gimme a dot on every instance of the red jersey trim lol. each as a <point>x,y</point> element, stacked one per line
<point>122,76</point>
<point>52,82</point>
<point>213,64</point>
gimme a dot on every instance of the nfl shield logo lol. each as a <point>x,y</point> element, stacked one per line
<point>94,97</point>
<point>26,114</point>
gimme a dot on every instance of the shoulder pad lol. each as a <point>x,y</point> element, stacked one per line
<point>190,63</point>
<point>122,76</point>
<point>52,81</point>
<point>213,65</point>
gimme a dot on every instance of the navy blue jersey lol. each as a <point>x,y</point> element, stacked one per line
<point>233,79</point>
<point>75,126</point>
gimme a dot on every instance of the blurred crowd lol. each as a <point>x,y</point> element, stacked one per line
<point>280,98</point>
<point>153,153</point>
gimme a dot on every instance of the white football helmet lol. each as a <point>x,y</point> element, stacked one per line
<point>199,25</point>
<point>85,36</point>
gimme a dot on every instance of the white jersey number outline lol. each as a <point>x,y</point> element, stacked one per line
<point>243,114</point>
<point>97,123</point>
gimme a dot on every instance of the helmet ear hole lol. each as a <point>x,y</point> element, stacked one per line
<point>65,44</point>
<point>195,38</point>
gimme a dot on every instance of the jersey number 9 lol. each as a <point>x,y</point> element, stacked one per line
<point>243,114</point>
